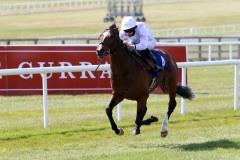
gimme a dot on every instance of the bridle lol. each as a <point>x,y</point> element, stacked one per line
<point>115,44</point>
<point>113,47</point>
<point>103,52</point>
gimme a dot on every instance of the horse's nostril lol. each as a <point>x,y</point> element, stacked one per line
<point>99,52</point>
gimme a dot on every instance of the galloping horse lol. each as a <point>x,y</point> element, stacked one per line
<point>131,78</point>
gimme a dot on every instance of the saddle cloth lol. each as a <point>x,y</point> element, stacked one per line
<point>161,60</point>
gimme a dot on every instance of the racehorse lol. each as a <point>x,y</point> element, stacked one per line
<point>131,78</point>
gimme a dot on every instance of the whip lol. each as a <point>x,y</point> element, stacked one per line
<point>100,63</point>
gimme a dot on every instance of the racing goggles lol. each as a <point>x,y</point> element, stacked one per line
<point>129,30</point>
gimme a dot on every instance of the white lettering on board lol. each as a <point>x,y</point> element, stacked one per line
<point>42,64</point>
<point>29,65</point>
<point>84,72</point>
<point>63,76</point>
<point>107,73</point>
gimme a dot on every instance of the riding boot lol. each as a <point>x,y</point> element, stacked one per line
<point>157,68</point>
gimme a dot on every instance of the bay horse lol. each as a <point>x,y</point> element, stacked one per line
<point>131,78</point>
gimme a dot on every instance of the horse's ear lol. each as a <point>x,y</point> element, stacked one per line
<point>113,26</point>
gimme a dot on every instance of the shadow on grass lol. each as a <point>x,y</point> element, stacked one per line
<point>65,133</point>
<point>68,133</point>
<point>210,145</point>
<point>199,118</point>
<point>205,146</point>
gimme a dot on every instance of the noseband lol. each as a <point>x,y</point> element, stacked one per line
<point>105,51</point>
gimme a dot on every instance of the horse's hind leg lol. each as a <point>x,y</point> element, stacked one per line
<point>114,101</point>
<point>171,106</point>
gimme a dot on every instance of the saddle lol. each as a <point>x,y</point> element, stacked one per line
<point>161,63</point>
<point>159,56</point>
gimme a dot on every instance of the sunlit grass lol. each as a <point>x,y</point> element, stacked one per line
<point>79,128</point>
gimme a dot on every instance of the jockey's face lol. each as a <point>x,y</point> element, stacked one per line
<point>130,32</point>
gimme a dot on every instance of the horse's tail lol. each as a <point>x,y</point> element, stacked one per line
<point>185,92</point>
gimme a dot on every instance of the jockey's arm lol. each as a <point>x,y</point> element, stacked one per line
<point>143,44</point>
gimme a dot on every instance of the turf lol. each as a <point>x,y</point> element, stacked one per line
<point>79,128</point>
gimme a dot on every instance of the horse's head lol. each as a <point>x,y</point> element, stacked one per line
<point>108,41</point>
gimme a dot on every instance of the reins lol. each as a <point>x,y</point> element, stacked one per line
<point>120,45</point>
<point>116,48</point>
<point>105,55</point>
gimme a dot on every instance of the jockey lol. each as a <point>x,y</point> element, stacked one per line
<point>138,36</point>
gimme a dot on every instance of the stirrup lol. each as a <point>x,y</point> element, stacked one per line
<point>153,82</point>
<point>157,69</point>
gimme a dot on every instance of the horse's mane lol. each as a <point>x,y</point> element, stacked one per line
<point>114,29</point>
<point>115,32</point>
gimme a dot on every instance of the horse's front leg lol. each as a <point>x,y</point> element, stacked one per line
<point>141,111</point>
<point>114,101</point>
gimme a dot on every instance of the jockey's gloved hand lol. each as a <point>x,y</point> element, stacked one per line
<point>129,45</point>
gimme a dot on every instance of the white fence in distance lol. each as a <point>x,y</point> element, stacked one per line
<point>209,44</point>
<point>178,32</point>
<point>32,7</point>
<point>44,70</point>
<point>198,31</point>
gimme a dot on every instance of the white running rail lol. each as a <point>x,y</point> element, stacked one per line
<point>44,70</point>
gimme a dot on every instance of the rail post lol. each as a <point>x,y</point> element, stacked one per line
<point>238,48</point>
<point>236,87</point>
<point>45,99</point>
<point>230,52</point>
<point>209,52</point>
<point>219,49</point>
<point>184,82</point>
<point>119,107</point>
<point>199,50</point>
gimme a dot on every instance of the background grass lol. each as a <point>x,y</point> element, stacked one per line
<point>79,128</point>
<point>159,16</point>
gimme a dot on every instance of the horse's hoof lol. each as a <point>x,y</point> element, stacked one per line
<point>154,119</point>
<point>164,134</point>
<point>121,132</point>
<point>136,132</point>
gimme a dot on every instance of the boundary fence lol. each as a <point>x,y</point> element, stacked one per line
<point>184,65</point>
<point>209,50</point>
<point>198,48</point>
<point>198,31</point>
<point>94,38</point>
<point>223,30</point>
<point>32,7</point>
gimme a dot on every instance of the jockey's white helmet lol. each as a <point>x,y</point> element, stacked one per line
<point>128,23</point>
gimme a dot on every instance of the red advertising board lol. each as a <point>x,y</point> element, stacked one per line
<point>59,83</point>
